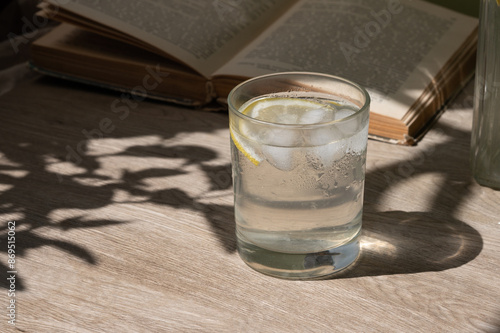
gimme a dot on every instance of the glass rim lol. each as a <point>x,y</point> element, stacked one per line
<point>361,110</point>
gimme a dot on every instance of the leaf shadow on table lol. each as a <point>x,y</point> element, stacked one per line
<point>48,167</point>
<point>405,242</point>
<point>219,216</point>
<point>35,192</point>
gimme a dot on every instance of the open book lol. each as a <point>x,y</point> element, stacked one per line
<point>412,56</point>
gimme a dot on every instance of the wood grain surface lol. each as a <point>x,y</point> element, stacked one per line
<point>124,223</point>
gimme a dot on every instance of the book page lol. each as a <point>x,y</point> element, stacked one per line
<point>202,34</point>
<point>392,48</point>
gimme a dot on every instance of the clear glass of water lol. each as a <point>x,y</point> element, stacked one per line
<point>298,145</point>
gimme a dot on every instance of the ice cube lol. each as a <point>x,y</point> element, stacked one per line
<point>357,142</point>
<point>278,146</point>
<point>348,126</point>
<point>279,136</point>
<point>287,118</point>
<point>280,157</point>
<point>329,153</point>
<point>343,113</point>
<point>322,135</point>
<point>316,116</point>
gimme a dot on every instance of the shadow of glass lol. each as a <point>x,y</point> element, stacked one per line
<point>405,242</point>
<point>400,242</point>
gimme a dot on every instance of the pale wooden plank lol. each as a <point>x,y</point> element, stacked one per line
<point>138,236</point>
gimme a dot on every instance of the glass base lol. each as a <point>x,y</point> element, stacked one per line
<point>491,183</point>
<point>303,266</point>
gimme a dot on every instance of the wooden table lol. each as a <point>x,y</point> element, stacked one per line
<point>124,223</point>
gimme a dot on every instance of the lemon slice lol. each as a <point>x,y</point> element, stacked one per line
<point>246,147</point>
<point>278,110</point>
<point>289,110</point>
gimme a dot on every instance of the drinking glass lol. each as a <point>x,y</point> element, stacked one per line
<point>485,145</point>
<point>298,149</point>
